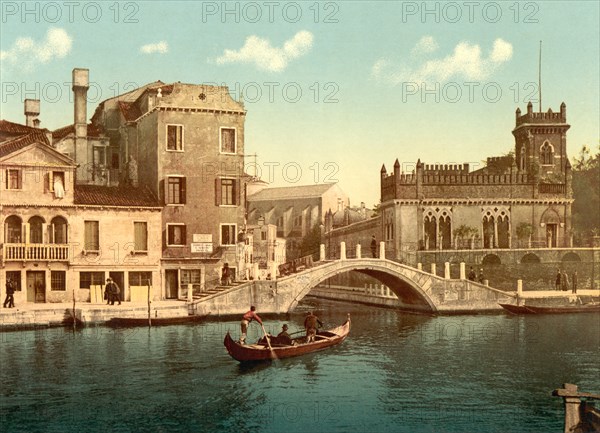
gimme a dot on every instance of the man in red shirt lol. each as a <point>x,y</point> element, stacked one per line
<point>246,319</point>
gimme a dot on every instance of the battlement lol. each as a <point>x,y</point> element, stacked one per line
<point>548,117</point>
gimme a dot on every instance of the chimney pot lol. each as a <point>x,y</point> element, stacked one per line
<point>32,111</point>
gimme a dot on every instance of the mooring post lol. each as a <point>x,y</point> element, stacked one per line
<point>572,404</point>
<point>447,270</point>
<point>463,274</point>
<point>190,294</point>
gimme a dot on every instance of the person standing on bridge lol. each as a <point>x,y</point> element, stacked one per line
<point>310,323</point>
<point>246,319</point>
<point>374,247</point>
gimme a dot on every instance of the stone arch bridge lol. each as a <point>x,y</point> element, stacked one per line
<point>416,290</point>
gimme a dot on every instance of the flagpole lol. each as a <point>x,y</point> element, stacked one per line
<point>540,77</point>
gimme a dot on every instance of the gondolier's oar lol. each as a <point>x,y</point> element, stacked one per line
<point>266,337</point>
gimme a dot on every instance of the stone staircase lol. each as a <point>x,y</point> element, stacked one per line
<point>214,291</point>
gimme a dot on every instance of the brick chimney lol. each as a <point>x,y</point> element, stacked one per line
<point>32,111</point>
<point>80,87</point>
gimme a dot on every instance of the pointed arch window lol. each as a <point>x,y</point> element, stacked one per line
<point>546,153</point>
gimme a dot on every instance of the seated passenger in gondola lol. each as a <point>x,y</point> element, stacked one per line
<point>283,337</point>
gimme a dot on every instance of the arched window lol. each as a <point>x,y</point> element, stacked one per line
<point>546,152</point>
<point>58,230</point>
<point>430,231</point>
<point>36,231</point>
<point>522,158</point>
<point>489,234</point>
<point>12,230</point>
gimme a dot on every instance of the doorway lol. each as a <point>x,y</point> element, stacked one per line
<point>551,235</point>
<point>172,283</point>
<point>36,286</point>
<point>119,278</point>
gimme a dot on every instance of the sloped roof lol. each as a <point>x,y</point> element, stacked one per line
<point>291,192</point>
<point>115,196</point>
<point>60,133</point>
<point>130,110</point>
<point>10,146</point>
<point>17,128</point>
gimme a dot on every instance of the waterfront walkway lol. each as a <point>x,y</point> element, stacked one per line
<point>31,315</point>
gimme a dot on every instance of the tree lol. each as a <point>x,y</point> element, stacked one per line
<point>311,243</point>
<point>586,193</point>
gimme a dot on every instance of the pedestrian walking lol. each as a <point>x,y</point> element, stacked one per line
<point>574,282</point>
<point>481,277</point>
<point>10,292</point>
<point>472,275</point>
<point>113,291</point>
<point>564,281</point>
<point>373,247</point>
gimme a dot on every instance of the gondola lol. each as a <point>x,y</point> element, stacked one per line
<point>529,309</point>
<point>261,351</point>
<point>516,309</point>
<point>124,322</point>
<point>585,308</point>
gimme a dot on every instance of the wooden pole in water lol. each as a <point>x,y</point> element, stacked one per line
<point>74,318</point>
<point>149,313</point>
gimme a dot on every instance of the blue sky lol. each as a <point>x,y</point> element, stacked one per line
<point>333,89</point>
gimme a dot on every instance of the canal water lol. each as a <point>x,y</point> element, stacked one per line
<point>396,372</point>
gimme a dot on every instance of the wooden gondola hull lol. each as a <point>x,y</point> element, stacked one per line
<point>565,310</point>
<point>156,321</point>
<point>529,309</point>
<point>255,352</point>
<point>516,309</point>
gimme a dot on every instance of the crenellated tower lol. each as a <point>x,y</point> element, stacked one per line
<point>541,142</point>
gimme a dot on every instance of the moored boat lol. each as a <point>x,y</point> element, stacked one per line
<point>517,309</point>
<point>262,352</point>
<point>585,308</point>
<point>155,321</point>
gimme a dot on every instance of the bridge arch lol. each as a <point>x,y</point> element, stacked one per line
<point>408,284</point>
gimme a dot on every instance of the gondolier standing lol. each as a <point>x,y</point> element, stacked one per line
<point>310,323</point>
<point>246,319</point>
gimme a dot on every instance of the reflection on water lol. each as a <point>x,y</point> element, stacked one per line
<point>395,372</point>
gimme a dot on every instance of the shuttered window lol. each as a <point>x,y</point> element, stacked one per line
<point>228,140</point>
<point>140,233</point>
<point>92,236</point>
<point>175,137</point>
<point>13,179</point>
<point>175,193</point>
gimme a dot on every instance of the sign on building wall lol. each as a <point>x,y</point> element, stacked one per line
<point>202,247</point>
<point>202,238</point>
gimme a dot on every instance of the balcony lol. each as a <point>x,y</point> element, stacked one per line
<point>36,252</point>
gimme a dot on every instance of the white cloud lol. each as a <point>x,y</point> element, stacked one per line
<point>427,44</point>
<point>28,53</point>
<point>160,47</point>
<point>266,57</point>
<point>465,62</point>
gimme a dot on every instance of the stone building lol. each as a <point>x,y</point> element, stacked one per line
<point>184,142</point>
<point>520,201</point>
<point>295,210</point>
<point>60,240</point>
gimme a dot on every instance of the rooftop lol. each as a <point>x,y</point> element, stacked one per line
<point>115,196</point>
<point>291,192</point>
